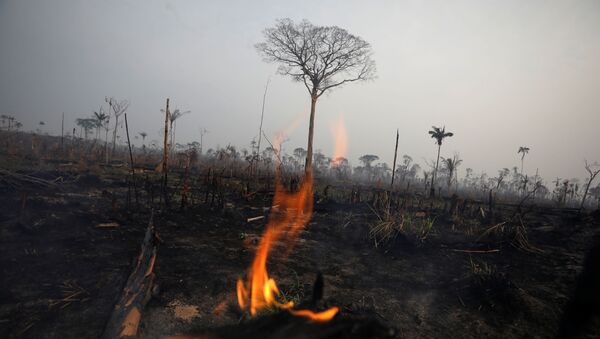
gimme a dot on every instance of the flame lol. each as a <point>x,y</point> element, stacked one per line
<point>260,291</point>
<point>341,141</point>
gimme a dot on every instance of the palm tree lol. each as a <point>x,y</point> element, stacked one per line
<point>524,150</point>
<point>173,116</point>
<point>439,135</point>
<point>451,165</point>
<point>143,135</point>
<point>100,118</point>
<point>86,124</point>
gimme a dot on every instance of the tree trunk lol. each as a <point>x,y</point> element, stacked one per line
<point>171,145</point>
<point>311,130</point>
<point>262,115</point>
<point>432,189</point>
<point>584,195</point>
<point>106,145</point>
<point>114,142</point>
<point>522,164</point>
<point>165,166</point>
<point>587,187</point>
<point>395,155</point>
<point>132,165</point>
<point>62,132</point>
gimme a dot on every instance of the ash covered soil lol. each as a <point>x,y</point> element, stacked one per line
<point>62,273</point>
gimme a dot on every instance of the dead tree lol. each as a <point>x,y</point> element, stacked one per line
<point>118,108</point>
<point>321,57</point>
<point>593,170</point>
<point>132,165</point>
<point>395,156</point>
<point>165,166</point>
<point>262,115</point>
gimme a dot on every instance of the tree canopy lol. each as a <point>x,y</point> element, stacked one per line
<point>321,57</point>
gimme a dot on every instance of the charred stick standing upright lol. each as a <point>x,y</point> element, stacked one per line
<point>62,132</point>
<point>262,115</point>
<point>131,161</point>
<point>165,167</point>
<point>395,156</point>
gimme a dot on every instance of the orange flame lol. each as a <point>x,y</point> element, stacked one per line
<point>341,141</point>
<point>261,291</point>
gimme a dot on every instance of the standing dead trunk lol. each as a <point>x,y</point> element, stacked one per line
<point>114,141</point>
<point>131,162</point>
<point>593,174</point>
<point>62,133</point>
<point>262,115</point>
<point>165,166</point>
<point>395,156</point>
<point>106,144</point>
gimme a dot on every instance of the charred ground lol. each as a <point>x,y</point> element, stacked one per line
<point>70,232</point>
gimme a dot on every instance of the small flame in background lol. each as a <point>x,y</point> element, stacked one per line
<point>290,213</point>
<point>341,141</point>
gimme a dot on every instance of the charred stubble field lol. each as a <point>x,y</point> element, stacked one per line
<point>69,242</point>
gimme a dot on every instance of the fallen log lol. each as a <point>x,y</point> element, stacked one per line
<point>127,313</point>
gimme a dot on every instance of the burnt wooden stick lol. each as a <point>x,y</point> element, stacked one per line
<point>127,313</point>
<point>165,164</point>
<point>395,155</point>
<point>318,287</point>
<point>132,165</point>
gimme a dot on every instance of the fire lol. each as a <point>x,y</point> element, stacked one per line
<point>260,291</point>
<point>341,141</point>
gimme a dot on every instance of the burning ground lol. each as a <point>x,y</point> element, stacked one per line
<point>70,239</point>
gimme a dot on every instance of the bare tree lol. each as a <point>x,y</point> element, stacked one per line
<point>593,170</point>
<point>262,115</point>
<point>118,108</point>
<point>321,57</point>
<point>502,174</point>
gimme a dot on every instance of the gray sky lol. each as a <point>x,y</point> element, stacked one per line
<point>499,74</point>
